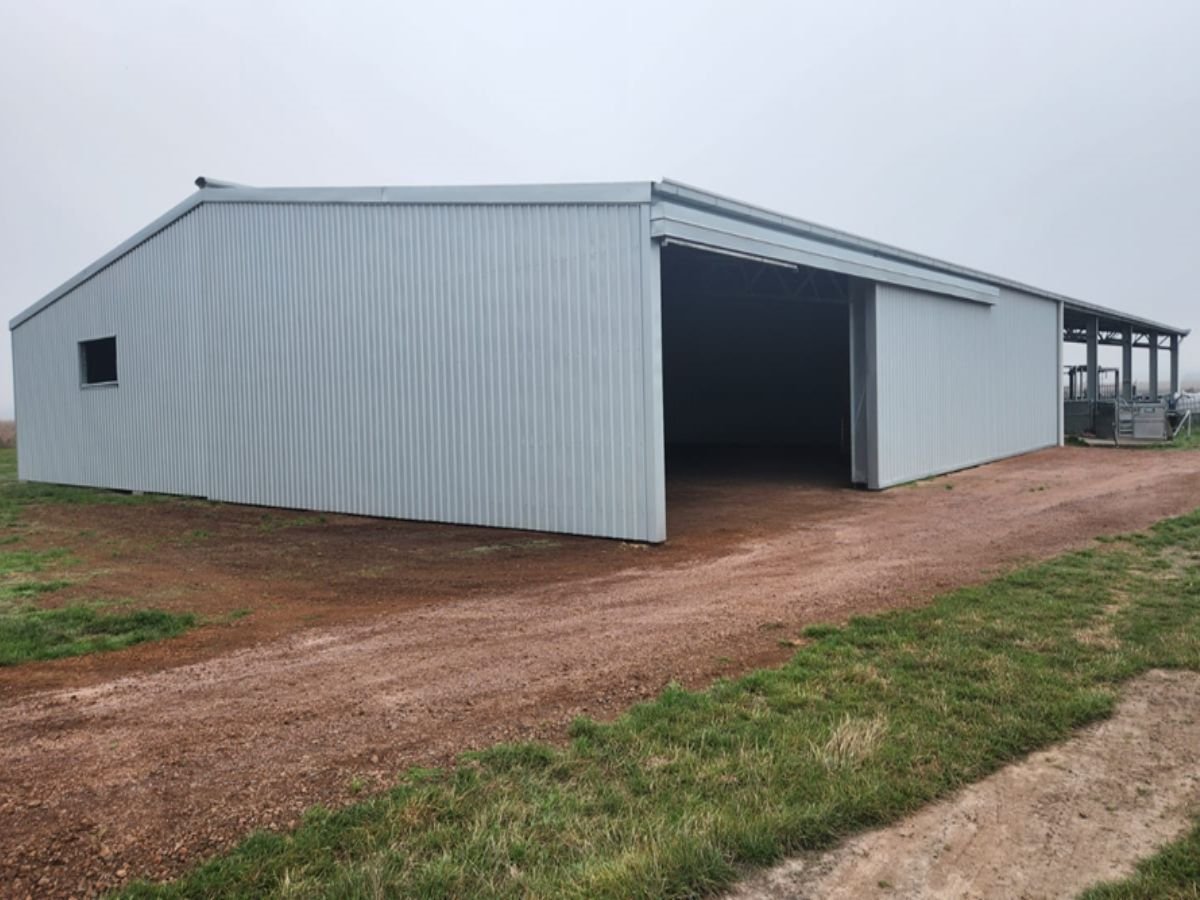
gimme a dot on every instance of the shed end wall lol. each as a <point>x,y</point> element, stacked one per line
<point>480,364</point>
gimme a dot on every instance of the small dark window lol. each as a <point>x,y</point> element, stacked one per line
<point>98,361</point>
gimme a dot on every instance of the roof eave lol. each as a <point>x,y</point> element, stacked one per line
<point>684,193</point>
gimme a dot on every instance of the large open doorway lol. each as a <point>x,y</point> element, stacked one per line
<point>756,384</point>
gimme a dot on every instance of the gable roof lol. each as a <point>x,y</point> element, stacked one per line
<point>958,280</point>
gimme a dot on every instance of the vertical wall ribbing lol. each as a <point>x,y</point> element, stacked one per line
<point>469,363</point>
<point>962,383</point>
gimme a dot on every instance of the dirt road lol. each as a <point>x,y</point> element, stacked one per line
<point>139,763</point>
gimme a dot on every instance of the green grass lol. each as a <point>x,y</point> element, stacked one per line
<point>29,561</point>
<point>1188,441</point>
<point>680,795</point>
<point>29,632</point>
<point>1171,874</point>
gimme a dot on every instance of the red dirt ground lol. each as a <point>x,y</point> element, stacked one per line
<point>372,645</point>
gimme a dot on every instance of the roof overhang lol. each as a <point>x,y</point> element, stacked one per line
<point>1112,325</point>
<point>676,204</point>
<point>684,216</point>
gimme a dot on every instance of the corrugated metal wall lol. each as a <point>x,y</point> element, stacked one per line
<point>960,383</point>
<point>480,364</point>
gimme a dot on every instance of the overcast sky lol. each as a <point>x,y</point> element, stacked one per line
<point>1057,143</point>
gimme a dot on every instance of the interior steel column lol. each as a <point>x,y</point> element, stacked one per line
<point>1093,373</point>
<point>1174,364</point>
<point>1153,365</point>
<point>1127,363</point>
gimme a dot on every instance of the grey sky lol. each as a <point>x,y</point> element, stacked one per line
<point>1056,143</point>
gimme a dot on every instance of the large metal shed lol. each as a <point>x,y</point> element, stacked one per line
<point>521,356</point>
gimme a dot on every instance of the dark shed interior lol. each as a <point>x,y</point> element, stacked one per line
<point>756,368</point>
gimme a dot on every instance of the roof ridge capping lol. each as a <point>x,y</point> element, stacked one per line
<point>565,193</point>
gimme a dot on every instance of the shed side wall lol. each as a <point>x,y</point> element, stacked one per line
<point>960,384</point>
<point>474,364</point>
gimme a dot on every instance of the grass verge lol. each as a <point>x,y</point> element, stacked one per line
<point>677,797</point>
<point>1171,874</point>
<point>31,632</point>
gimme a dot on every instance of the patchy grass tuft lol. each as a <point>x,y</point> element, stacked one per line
<point>851,742</point>
<point>28,633</point>
<point>275,522</point>
<point>1187,441</point>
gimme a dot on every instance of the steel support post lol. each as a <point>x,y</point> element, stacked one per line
<point>1174,364</point>
<point>1153,365</point>
<point>1127,364</point>
<point>1093,366</point>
